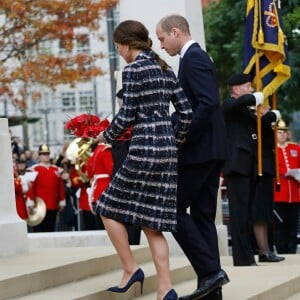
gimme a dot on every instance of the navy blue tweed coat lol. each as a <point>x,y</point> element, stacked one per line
<point>143,191</point>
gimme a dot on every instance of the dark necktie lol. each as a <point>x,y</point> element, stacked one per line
<point>180,60</point>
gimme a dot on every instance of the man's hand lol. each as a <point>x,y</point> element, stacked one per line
<point>259,97</point>
<point>61,205</point>
<point>264,109</point>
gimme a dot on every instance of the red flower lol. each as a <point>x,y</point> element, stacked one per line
<point>126,136</point>
<point>86,125</point>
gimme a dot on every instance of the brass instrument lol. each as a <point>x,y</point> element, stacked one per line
<point>78,152</point>
<point>37,214</point>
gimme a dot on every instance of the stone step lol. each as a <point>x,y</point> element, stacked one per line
<point>46,268</point>
<point>95,286</point>
<point>85,273</point>
<point>268,281</point>
<point>294,297</point>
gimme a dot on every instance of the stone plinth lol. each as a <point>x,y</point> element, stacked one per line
<point>95,238</point>
<point>13,230</point>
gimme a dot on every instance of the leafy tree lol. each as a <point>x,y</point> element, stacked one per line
<point>27,29</point>
<point>290,91</point>
<point>224,33</point>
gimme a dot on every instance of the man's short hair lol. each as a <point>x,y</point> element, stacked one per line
<point>174,21</point>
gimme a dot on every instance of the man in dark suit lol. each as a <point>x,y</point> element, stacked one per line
<point>200,159</point>
<point>250,197</point>
<point>239,169</point>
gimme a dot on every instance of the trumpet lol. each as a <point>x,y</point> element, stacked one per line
<point>78,152</point>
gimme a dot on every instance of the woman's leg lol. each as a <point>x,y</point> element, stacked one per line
<point>119,238</point>
<point>261,236</point>
<point>160,254</point>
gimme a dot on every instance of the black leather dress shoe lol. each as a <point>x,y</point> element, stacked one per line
<point>270,257</point>
<point>207,285</point>
<point>214,295</point>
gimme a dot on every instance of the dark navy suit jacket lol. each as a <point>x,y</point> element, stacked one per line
<point>240,124</point>
<point>206,138</point>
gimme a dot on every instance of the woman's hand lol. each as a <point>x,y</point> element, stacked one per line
<point>100,138</point>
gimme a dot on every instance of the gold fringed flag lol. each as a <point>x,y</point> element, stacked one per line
<point>264,37</point>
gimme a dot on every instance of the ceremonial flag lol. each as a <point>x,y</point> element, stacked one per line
<point>265,44</point>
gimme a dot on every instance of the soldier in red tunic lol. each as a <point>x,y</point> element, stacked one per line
<point>91,181</point>
<point>88,219</point>
<point>48,185</point>
<point>21,187</point>
<point>99,170</point>
<point>287,200</point>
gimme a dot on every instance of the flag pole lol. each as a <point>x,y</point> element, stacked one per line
<point>260,38</point>
<point>258,118</point>
<point>274,106</point>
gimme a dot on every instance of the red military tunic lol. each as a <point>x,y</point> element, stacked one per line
<point>47,185</point>
<point>20,198</point>
<point>99,170</point>
<point>77,182</point>
<point>288,158</point>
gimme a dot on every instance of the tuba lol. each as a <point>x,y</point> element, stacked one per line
<point>78,152</point>
<point>38,213</point>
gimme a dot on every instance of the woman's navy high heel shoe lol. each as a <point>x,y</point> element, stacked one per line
<point>138,276</point>
<point>171,295</point>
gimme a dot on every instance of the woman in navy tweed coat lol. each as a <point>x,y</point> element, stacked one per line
<point>143,191</point>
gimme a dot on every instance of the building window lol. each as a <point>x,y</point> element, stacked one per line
<point>68,101</point>
<point>86,101</point>
<point>65,48</point>
<point>83,43</point>
<point>45,47</point>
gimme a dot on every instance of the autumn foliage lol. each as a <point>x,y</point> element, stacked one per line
<point>28,27</point>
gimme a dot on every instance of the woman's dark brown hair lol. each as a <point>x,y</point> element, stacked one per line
<point>135,35</point>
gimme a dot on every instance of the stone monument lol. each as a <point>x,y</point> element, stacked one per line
<point>13,230</point>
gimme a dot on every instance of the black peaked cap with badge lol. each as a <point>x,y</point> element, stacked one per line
<point>238,79</point>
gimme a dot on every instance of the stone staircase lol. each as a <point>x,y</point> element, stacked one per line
<point>85,273</point>
<point>76,273</point>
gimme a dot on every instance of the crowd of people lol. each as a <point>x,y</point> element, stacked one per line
<point>152,171</point>
<point>55,180</point>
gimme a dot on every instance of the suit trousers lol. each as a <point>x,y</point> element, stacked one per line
<point>196,231</point>
<point>240,195</point>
